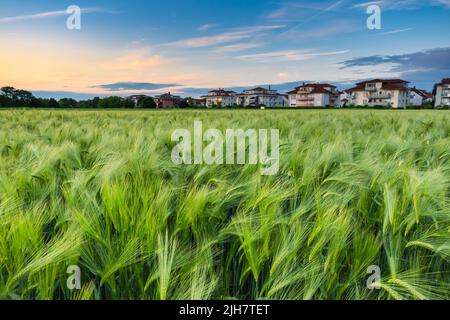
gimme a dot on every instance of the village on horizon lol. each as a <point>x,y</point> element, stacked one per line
<point>383,93</point>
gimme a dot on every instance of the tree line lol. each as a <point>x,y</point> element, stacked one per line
<point>16,98</point>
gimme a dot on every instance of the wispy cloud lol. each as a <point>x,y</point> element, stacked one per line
<point>240,34</point>
<point>134,86</point>
<point>293,9</point>
<point>445,3</point>
<point>45,15</point>
<point>136,59</point>
<point>238,47</point>
<point>365,5</point>
<point>319,13</point>
<point>279,13</point>
<point>289,55</point>
<point>402,4</point>
<point>396,31</point>
<point>326,29</point>
<point>208,26</point>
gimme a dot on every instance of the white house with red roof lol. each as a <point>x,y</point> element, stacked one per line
<point>314,95</point>
<point>393,93</point>
<point>220,98</point>
<point>418,97</point>
<point>261,97</point>
<point>442,93</point>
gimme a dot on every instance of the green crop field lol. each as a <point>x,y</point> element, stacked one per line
<point>98,190</point>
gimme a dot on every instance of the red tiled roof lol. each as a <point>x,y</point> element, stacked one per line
<point>316,88</point>
<point>383,80</point>
<point>445,81</point>
<point>222,92</point>
<point>258,89</point>
<point>387,86</point>
<point>422,93</point>
<point>320,90</point>
<point>357,88</point>
<point>313,91</point>
<point>316,85</point>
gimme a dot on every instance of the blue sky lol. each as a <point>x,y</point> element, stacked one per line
<point>191,46</point>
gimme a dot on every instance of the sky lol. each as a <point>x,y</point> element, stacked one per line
<point>188,47</point>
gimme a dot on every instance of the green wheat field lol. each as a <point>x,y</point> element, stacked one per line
<point>98,190</point>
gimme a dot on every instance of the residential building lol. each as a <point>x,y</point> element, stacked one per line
<point>220,98</point>
<point>167,100</point>
<point>442,93</point>
<point>196,102</point>
<point>418,97</point>
<point>314,95</point>
<point>393,93</point>
<point>136,98</point>
<point>347,98</point>
<point>261,97</point>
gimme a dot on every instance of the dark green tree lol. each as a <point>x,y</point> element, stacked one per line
<point>24,96</point>
<point>53,104</point>
<point>95,102</point>
<point>147,103</point>
<point>37,103</point>
<point>110,103</point>
<point>9,92</point>
<point>5,102</point>
<point>67,103</point>
<point>115,103</point>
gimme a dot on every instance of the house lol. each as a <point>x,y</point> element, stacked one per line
<point>442,93</point>
<point>418,97</point>
<point>314,95</point>
<point>137,98</point>
<point>199,102</point>
<point>259,97</point>
<point>167,100</point>
<point>347,98</point>
<point>220,98</point>
<point>393,93</point>
<point>196,102</point>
